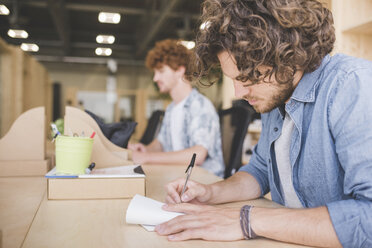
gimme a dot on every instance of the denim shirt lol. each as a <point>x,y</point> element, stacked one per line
<point>201,126</point>
<point>331,146</point>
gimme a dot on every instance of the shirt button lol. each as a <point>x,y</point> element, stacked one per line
<point>276,129</point>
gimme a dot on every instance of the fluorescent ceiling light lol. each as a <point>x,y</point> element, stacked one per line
<point>4,10</point>
<point>205,25</point>
<point>106,17</point>
<point>17,33</point>
<point>188,44</point>
<point>101,51</point>
<point>29,47</point>
<point>105,39</point>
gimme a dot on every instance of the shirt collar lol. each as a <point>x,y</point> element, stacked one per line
<point>282,112</point>
<point>187,100</point>
<point>305,90</point>
<point>190,97</point>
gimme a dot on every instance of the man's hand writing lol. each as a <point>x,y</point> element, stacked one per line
<point>196,193</point>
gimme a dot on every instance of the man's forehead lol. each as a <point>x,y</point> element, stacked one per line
<point>228,64</point>
<point>159,66</point>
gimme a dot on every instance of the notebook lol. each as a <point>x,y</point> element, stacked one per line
<point>147,212</point>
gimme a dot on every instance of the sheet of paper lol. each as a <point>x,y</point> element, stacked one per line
<point>114,172</point>
<point>147,212</point>
<point>111,172</point>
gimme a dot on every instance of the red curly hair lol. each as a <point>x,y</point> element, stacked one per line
<point>168,52</point>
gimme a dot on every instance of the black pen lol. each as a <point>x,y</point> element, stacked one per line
<point>188,171</point>
<point>90,168</point>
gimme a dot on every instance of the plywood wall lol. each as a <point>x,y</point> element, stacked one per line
<point>25,84</point>
<point>353,24</point>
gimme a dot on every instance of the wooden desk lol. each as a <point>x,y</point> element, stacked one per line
<point>101,223</point>
<point>20,199</point>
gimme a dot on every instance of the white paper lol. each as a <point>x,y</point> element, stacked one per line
<point>113,172</point>
<point>147,212</point>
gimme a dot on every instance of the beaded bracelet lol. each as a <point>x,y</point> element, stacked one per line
<point>245,224</point>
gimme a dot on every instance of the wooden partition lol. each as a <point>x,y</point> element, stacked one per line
<point>353,23</point>
<point>24,84</point>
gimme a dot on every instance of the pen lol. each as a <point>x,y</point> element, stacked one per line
<point>55,130</point>
<point>90,168</point>
<point>188,171</point>
<point>92,136</point>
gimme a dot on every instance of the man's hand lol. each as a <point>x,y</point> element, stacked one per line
<point>139,147</point>
<point>139,157</point>
<point>196,193</point>
<point>201,222</point>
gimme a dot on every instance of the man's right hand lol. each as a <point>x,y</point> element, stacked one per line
<point>139,147</point>
<point>195,192</point>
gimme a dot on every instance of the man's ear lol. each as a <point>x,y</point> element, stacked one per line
<point>181,70</point>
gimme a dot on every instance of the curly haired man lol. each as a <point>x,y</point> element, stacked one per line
<point>188,120</point>
<point>314,153</point>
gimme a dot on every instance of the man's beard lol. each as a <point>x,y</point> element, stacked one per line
<point>279,98</point>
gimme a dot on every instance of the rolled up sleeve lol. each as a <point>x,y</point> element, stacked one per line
<point>352,221</point>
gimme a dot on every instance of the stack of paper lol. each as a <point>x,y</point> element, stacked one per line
<point>126,171</point>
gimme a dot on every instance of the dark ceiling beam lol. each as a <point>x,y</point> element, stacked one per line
<point>60,18</point>
<point>88,60</point>
<point>153,29</point>
<point>106,8</point>
<point>58,45</point>
<point>48,32</point>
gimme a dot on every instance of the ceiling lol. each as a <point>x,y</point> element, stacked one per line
<point>66,30</point>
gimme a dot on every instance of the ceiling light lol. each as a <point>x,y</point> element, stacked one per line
<point>4,10</point>
<point>188,44</point>
<point>205,25</point>
<point>29,47</point>
<point>101,51</point>
<point>105,39</point>
<point>106,17</point>
<point>17,33</point>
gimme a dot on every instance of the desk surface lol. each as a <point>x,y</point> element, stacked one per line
<point>101,223</point>
<point>19,201</point>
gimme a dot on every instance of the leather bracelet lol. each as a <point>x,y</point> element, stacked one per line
<point>245,223</point>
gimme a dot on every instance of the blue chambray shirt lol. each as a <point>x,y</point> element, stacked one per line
<point>331,146</point>
<point>200,127</point>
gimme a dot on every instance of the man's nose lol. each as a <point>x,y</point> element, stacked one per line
<point>155,78</point>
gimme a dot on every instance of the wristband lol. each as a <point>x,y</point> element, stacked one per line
<point>245,223</point>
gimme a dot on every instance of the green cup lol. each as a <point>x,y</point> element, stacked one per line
<point>73,154</point>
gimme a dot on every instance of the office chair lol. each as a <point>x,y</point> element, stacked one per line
<point>234,124</point>
<point>153,127</point>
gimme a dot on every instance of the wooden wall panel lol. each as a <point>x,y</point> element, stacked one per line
<point>25,84</point>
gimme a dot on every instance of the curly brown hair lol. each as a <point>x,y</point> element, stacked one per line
<point>168,52</point>
<point>286,35</point>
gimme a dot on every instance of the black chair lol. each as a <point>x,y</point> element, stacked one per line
<point>234,124</point>
<point>153,127</point>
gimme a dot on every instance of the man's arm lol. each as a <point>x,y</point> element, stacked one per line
<point>239,187</point>
<point>154,146</point>
<point>177,157</point>
<point>302,226</point>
